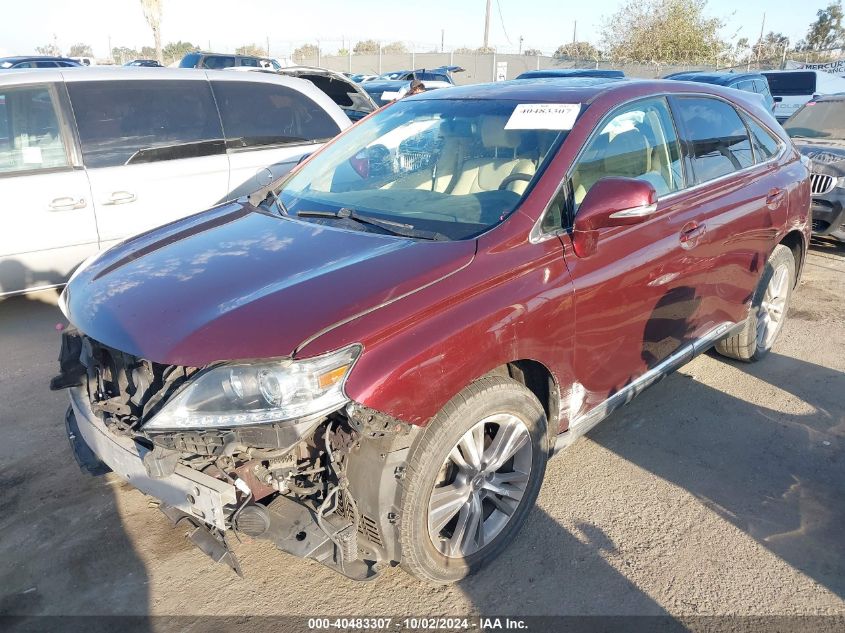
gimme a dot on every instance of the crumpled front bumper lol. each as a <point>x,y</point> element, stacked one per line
<point>200,496</point>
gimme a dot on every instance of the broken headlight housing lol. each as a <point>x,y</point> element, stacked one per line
<point>260,392</point>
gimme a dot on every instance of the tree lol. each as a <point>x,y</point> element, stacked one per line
<point>52,49</point>
<point>533,52</point>
<point>80,50</point>
<point>152,13</point>
<point>366,47</point>
<point>253,50</point>
<point>769,50</point>
<point>827,31</point>
<point>174,51</point>
<point>463,50</point>
<point>394,48</point>
<point>343,52</point>
<point>123,54</point>
<point>306,51</point>
<point>663,31</point>
<point>577,50</point>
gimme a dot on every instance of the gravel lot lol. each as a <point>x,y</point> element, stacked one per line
<point>719,491</point>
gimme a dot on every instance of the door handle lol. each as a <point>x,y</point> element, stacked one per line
<point>66,203</point>
<point>121,197</point>
<point>691,233</point>
<point>775,196</point>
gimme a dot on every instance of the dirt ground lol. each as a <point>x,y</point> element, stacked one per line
<point>719,491</point>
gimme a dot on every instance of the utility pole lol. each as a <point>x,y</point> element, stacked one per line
<point>487,24</point>
<point>574,30</point>
<point>520,44</point>
<point>442,40</point>
<point>760,41</point>
<point>111,57</point>
<point>268,46</point>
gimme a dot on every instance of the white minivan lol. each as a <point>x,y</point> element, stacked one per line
<point>793,88</point>
<point>90,156</point>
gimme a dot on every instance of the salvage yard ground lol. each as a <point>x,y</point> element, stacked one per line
<point>719,491</point>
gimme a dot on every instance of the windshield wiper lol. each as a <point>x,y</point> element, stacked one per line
<point>396,228</point>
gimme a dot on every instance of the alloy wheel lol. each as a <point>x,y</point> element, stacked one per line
<point>480,485</point>
<point>771,311</point>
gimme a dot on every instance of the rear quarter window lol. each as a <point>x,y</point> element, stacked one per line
<point>260,114</point>
<point>715,138</point>
<point>127,122</point>
<point>792,84</point>
<point>765,145</point>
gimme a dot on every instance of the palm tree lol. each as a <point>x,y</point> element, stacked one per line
<point>152,12</point>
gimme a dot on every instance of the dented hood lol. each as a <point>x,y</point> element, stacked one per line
<point>235,283</point>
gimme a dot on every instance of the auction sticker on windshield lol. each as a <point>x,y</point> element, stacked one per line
<point>543,116</point>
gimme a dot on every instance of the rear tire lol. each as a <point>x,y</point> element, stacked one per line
<point>767,312</point>
<point>471,479</point>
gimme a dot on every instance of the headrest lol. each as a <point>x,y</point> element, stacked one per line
<point>494,134</point>
<point>627,154</point>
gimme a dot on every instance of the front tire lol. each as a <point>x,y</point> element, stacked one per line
<point>471,479</point>
<point>768,310</point>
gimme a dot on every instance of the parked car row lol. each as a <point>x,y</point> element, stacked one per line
<point>370,361</point>
<point>91,156</point>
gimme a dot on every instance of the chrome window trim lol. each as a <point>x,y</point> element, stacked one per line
<point>538,235</point>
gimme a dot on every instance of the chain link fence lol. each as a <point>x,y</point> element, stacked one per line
<point>479,68</point>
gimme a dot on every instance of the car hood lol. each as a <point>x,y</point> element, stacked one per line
<point>236,283</point>
<point>828,156</point>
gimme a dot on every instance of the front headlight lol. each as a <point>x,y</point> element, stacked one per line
<point>240,394</point>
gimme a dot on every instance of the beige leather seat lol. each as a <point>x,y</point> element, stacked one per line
<point>487,174</point>
<point>627,154</point>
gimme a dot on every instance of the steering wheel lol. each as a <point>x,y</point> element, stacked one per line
<point>513,178</point>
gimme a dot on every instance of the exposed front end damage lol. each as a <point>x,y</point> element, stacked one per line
<point>324,487</point>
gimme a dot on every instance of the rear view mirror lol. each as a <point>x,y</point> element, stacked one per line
<point>611,202</point>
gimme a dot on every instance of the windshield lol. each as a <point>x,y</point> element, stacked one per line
<point>819,119</point>
<point>438,165</point>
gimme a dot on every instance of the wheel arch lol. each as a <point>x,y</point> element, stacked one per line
<point>796,241</point>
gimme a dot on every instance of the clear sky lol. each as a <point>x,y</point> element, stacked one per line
<point>225,24</point>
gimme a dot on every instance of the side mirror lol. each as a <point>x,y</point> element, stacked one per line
<point>611,202</point>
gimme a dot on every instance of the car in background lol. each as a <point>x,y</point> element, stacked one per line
<point>793,88</point>
<point>547,73</point>
<point>219,61</point>
<point>428,77</point>
<point>371,368</point>
<point>383,92</point>
<point>37,61</point>
<point>143,63</point>
<point>355,102</point>
<point>749,82</point>
<point>362,77</point>
<point>91,156</point>
<point>85,61</point>
<point>818,131</point>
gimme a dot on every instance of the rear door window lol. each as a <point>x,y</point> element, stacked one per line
<point>715,138</point>
<point>250,61</point>
<point>792,83</point>
<point>30,134</point>
<point>129,122</point>
<point>262,114</point>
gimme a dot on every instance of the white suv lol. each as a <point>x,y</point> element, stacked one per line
<point>90,156</point>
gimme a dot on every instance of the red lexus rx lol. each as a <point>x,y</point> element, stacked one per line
<point>371,361</point>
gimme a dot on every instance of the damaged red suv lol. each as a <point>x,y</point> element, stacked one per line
<point>370,362</point>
